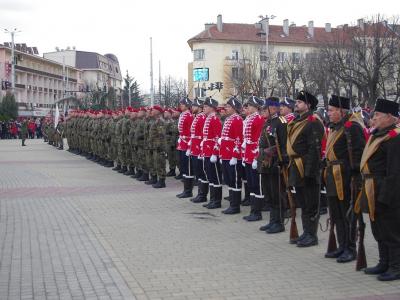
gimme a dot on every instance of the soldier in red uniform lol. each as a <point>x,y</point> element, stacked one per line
<point>184,124</point>
<point>230,154</point>
<point>196,137</point>
<point>252,131</point>
<point>209,152</point>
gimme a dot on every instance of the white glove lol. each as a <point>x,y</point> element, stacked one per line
<point>233,161</point>
<point>254,164</point>
<point>244,145</point>
<point>219,141</point>
<point>243,164</point>
<point>190,143</point>
<point>179,140</point>
<point>213,159</point>
<point>220,161</point>
<point>188,152</point>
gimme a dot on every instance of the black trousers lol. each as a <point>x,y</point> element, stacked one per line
<point>308,197</point>
<point>386,227</point>
<point>199,169</point>
<point>233,175</point>
<point>213,172</point>
<point>253,181</point>
<point>185,165</point>
<point>345,228</point>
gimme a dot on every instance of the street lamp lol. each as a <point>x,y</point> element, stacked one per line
<point>265,19</point>
<point>12,32</point>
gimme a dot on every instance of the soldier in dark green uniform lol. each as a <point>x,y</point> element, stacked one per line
<point>345,138</point>
<point>143,174</point>
<point>380,170</point>
<point>171,139</point>
<point>272,136</point>
<point>149,149</point>
<point>304,136</point>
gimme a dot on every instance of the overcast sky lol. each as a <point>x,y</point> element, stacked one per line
<point>123,27</point>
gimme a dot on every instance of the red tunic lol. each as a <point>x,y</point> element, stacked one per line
<point>252,131</point>
<point>231,138</point>
<point>211,133</point>
<point>196,134</point>
<point>184,124</point>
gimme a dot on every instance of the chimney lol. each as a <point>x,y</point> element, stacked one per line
<point>311,28</point>
<point>360,23</point>
<point>328,27</point>
<point>219,23</point>
<point>286,27</point>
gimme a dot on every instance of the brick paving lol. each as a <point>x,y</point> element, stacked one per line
<point>71,229</point>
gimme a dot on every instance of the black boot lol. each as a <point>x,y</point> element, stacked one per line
<point>152,180</point>
<point>275,221</point>
<point>347,256</point>
<point>160,184</point>
<point>246,200</point>
<point>383,264</point>
<point>123,169</point>
<point>187,188</point>
<point>393,272</point>
<point>202,195</point>
<point>340,235</point>
<point>171,172</point>
<point>144,177</point>
<point>137,174</point>
<point>308,241</point>
<point>256,206</point>
<point>117,168</point>
<point>212,196</point>
<point>217,198</point>
<point>110,164</point>
<point>267,205</point>
<point>310,228</point>
<point>234,207</point>
<point>130,171</point>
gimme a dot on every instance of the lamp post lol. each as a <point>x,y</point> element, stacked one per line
<point>265,19</point>
<point>12,32</point>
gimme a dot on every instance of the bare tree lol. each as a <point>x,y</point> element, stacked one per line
<point>361,56</point>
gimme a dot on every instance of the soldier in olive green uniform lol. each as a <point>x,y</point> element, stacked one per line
<point>171,130</point>
<point>157,136</point>
<point>126,153</point>
<point>148,149</point>
<point>118,140</point>
<point>24,131</point>
<point>139,143</point>
<point>133,120</point>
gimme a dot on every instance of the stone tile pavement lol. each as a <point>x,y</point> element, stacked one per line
<point>71,229</point>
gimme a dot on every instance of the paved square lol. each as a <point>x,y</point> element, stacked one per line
<point>71,229</point>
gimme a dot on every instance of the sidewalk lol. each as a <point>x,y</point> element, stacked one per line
<point>71,229</point>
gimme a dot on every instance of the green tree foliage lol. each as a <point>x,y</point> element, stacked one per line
<point>9,107</point>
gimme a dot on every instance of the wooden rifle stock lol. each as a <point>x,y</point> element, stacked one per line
<point>361,262</point>
<point>332,245</point>
<point>294,233</point>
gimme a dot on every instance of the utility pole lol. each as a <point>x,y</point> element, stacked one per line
<point>159,80</point>
<point>12,32</point>
<point>266,21</point>
<point>151,73</point>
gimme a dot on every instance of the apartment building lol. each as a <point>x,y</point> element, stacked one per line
<point>39,82</point>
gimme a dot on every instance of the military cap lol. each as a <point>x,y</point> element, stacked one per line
<point>271,101</point>
<point>197,102</point>
<point>255,101</point>
<point>307,98</point>
<point>186,101</point>
<point>339,101</point>
<point>235,103</point>
<point>211,102</point>
<point>159,108</point>
<point>387,107</point>
<point>287,102</point>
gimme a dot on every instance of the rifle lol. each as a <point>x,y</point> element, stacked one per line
<point>294,234</point>
<point>332,246</point>
<point>361,262</point>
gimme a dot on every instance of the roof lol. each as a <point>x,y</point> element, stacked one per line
<point>252,34</point>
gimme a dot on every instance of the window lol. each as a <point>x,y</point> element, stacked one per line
<point>235,73</point>
<point>263,73</point>
<point>200,92</point>
<point>281,57</point>
<point>295,57</point>
<point>235,55</point>
<point>296,74</point>
<point>198,54</point>
<point>280,74</point>
<point>263,56</point>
